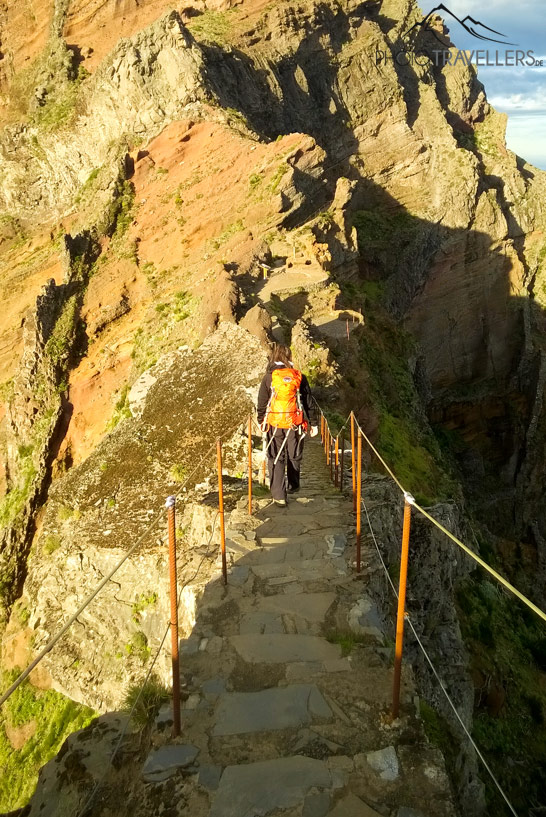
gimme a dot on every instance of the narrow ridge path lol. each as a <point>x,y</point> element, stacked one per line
<point>277,719</point>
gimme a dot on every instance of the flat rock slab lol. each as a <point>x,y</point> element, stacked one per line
<point>261,621</point>
<point>385,762</point>
<point>310,606</point>
<point>352,806</point>
<point>260,788</point>
<point>162,763</point>
<point>304,569</point>
<point>283,528</point>
<point>276,708</point>
<point>284,551</point>
<point>283,649</point>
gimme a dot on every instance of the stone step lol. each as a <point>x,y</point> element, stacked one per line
<point>284,649</point>
<point>270,709</point>
<point>307,608</point>
<point>301,570</point>
<point>272,785</point>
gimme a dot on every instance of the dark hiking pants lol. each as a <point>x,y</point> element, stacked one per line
<point>285,475</point>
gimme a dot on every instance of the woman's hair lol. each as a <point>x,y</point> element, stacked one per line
<point>280,353</point>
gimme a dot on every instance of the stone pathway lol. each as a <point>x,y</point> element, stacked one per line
<point>287,678</point>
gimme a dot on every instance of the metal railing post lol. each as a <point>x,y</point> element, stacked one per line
<point>322,427</point>
<point>408,502</point>
<point>171,516</point>
<point>336,468</point>
<point>250,464</point>
<point>221,509</point>
<point>353,464</point>
<point>342,462</point>
<point>358,500</point>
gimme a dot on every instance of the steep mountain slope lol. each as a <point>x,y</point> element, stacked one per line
<point>145,180</point>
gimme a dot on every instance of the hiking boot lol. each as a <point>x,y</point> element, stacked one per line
<point>293,490</point>
<point>281,502</point>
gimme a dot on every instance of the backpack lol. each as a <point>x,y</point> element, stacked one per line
<point>284,409</point>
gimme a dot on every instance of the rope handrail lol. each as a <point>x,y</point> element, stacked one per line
<point>434,671</point>
<point>57,637</point>
<point>504,582</point>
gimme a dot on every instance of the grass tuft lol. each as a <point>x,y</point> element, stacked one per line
<point>144,701</point>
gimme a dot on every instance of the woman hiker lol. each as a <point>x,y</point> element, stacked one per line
<point>285,411</point>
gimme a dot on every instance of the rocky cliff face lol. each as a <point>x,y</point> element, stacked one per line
<point>184,156</point>
<point>101,509</point>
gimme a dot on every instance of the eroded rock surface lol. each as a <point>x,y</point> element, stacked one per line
<point>102,508</point>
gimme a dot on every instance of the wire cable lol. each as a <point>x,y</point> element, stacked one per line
<point>454,708</point>
<point>54,640</point>
<point>432,667</point>
<point>454,538</point>
<point>100,781</point>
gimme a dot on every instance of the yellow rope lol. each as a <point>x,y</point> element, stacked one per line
<point>481,562</point>
<point>450,535</point>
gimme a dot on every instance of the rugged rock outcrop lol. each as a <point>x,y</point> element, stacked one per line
<point>436,567</point>
<point>43,171</point>
<point>102,508</point>
<point>401,177</point>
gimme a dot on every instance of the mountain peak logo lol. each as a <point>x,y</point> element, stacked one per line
<point>472,26</point>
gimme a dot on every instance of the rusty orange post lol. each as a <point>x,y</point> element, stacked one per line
<point>408,502</point>
<point>322,427</point>
<point>221,508</point>
<point>353,464</point>
<point>336,458</point>
<point>250,464</point>
<point>342,461</point>
<point>170,505</point>
<point>358,499</point>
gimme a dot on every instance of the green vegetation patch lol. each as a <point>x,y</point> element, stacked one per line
<point>254,181</point>
<point>225,235</point>
<point>142,602</point>
<point>13,502</point>
<point>507,643</point>
<point>144,700</point>
<point>275,180</point>
<point>50,718</point>
<point>122,409</point>
<point>415,467</point>
<point>59,344</point>
<point>385,236</point>
<point>138,646</point>
<point>439,732</point>
<point>213,26</point>
<point>60,107</point>
<point>404,439</point>
<point>178,472</point>
<point>346,639</point>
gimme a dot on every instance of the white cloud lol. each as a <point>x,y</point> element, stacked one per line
<point>529,101</point>
<point>526,136</point>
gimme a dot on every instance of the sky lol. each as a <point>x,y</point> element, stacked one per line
<point>519,92</point>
